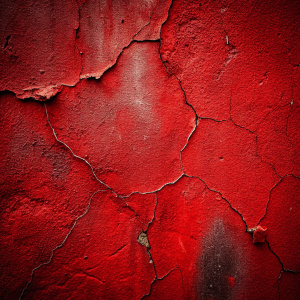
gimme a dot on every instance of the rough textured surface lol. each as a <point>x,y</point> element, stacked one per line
<point>224,156</point>
<point>289,285</point>
<point>100,260</point>
<point>282,222</point>
<point>43,191</point>
<point>106,27</point>
<point>201,234</point>
<point>149,149</point>
<point>34,60</point>
<point>234,58</point>
<point>131,124</point>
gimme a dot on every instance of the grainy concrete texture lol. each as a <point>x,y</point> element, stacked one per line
<point>150,149</point>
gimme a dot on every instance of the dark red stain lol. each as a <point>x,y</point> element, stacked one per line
<point>183,118</point>
<point>182,235</point>
<point>218,259</point>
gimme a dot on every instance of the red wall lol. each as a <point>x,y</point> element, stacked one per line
<point>150,149</point>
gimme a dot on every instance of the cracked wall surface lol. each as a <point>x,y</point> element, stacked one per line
<point>150,149</point>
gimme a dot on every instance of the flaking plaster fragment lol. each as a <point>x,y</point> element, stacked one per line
<point>259,233</point>
<point>143,239</point>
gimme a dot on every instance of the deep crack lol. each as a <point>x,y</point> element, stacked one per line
<point>60,245</point>
<point>157,279</point>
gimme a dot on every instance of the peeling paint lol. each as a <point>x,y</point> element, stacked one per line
<point>259,233</point>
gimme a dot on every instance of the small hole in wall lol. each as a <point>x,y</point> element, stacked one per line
<point>122,21</point>
<point>221,157</point>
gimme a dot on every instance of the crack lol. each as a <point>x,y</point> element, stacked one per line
<point>78,157</point>
<point>149,22</point>
<point>155,191</point>
<point>100,181</point>
<point>149,223</point>
<point>279,260</point>
<point>118,250</point>
<point>76,37</point>
<point>60,245</point>
<point>145,241</point>
<point>256,148</point>
<point>230,111</point>
<point>269,198</point>
<point>152,261</point>
<point>240,126</point>
<point>212,190</point>
<point>281,178</point>
<point>6,41</point>
<point>231,51</point>
<point>277,282</point>
<point>258,155</point>
<point>279,277</point>
<point>157,279</point>
<point>81,158</point>
<point>212,119</point>
<point>182,281</point>
<point>255,132</point>
<point>169,183</point>
<point>182,89</point>
<point>99,76</point>
<point>194,129</point>
<point>264,161</point>
<point>96,177</point>
<point>163,62</point>
<point>187,141</point>
<point>136,215</point>
<point>92,169</point>
<point>59,87</point>
<point>269,246</point>
<point>93,276</point>
<point>85,272</point>
<point>271,111</point>
<point>202,118</point>
<point>118,196</point>
<point>246,226</point>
